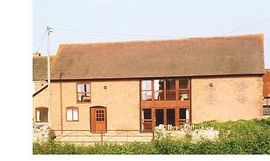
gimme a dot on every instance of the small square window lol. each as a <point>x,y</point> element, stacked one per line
<point>83,92</point>
<point>183,83</point>
<point>147,114</point>
<point>99,115</point>
<point>170,84</point>
<point>72,114</point>
<point>42,114</point>
<point>146,85</point>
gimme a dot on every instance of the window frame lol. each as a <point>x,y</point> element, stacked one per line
<point>168,91</point>
<point>72,109</point>
<point>77,92</point>
<point>184,90</point>
<point>187,119</point>
<point>175,103</point>
<point>146,122</point>
<point>151,89</point>
<point>162,91</point>
<point>100,115</point>
<point>41,109</point>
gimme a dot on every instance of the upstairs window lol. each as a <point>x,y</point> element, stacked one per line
<point>170,89</point>
<point>41,114</point>
<point>147,90</point>
<point>183,89</point>
<point>165,89</point>
<point>72,114</point>
<point>83,92</point>
<point>159,90</point>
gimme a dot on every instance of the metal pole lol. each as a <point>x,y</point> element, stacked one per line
<point>76,136</point>
<point>127,136</point>
<point>153,134</point>
<point>101,136</point>
<point>49,30</point>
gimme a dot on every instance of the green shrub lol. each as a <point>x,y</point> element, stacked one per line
<point>169,145</point>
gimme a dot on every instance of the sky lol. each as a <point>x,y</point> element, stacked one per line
<point>88,21</point>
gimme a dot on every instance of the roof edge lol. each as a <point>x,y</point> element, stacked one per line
<point>258,35</point>
<point>153,77</point>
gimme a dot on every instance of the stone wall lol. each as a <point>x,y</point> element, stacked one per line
<point>187,133</point>
<point>42,132</point>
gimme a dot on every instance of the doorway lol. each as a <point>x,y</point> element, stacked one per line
<point>98,119</point>
<point>165,117</point>
<point>159,117</point>
<point>171,117</point>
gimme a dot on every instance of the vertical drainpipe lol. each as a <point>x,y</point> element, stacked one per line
<point>61,104</point>
<point>140,108</point>
<point>190,95</point>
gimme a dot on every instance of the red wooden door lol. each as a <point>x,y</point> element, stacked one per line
<point>98,119</point>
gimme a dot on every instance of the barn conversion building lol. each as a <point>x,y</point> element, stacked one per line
<point>138,85</point>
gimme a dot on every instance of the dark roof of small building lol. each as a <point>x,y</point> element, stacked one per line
<point>230,55</point>
<point>40,68</point>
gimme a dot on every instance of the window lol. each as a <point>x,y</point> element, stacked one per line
<point>165,101</point>
<point>147,114</point>
<point>159,90</point>
<point>147,90</point>
<point>42,114</point>
<point>165,90</point>
<point>170,89</point>
<point>159,117</point>
<point>171,117</point>
<point>72,114</point>
<point>183,89</point>
<point>100,115</point>
<point>183,83</point>
<point>183,116</point>
<point>147,119</point>
<point>83,92</point>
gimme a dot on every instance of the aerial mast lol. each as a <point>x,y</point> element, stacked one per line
<point>49,31</point>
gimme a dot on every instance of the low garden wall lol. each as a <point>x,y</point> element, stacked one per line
<point>42,132</point>
<point>187,132</point>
